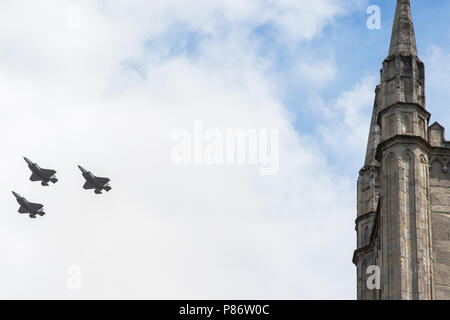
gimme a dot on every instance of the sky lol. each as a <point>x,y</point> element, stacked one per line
<point>106,84</point>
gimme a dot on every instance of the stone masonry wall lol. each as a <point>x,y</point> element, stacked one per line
<point>440,206</point>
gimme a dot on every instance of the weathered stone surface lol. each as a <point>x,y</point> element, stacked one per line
<point>442,292</point>
<point>436,135</point>
<point>441,248</point>
<point>403,38</point>
<point>441,198</point>
<point>374,133</point>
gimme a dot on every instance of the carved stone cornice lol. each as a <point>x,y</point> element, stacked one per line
<point>403,139</point>
<point>396,105</point>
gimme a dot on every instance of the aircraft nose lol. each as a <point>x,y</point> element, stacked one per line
<point>15,194</point>
<point>27,160</point>
<point>81,168</point>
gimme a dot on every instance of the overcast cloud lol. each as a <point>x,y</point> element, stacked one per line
<point>108,93</point>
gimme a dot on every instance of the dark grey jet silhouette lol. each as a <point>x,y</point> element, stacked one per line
<point>93,182</point>
<point>30,208</point>
<point>39,174</point>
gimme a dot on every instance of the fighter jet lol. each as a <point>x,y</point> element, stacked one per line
<point>39,174</point>
<point>29,207</point>
<point>93,182</point>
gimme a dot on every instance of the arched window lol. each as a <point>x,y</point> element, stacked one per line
<point>366,235</point>
<point>391,125</point>
<point>407,123</point>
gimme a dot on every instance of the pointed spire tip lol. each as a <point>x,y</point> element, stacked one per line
<point>403,38</point>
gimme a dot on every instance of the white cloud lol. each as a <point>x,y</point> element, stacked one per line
<point>163,231</point>
<point>347,120</point>
<point>316,73</point>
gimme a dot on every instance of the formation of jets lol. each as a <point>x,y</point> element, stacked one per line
<point>45,176</point>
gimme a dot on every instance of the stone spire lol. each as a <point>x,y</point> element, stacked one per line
<point>403,39</point>
<point>403,187</point>
<point>403,74</point>
<point>374,133</point>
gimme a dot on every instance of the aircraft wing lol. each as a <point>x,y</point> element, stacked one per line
<point>36,206</point>
<point>47,173</point>
<point>102,181</point>
<point>22,209</point>
<point>35,177</point>
<point>87,185</point>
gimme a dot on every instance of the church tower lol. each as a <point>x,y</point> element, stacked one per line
<point>403,201</point>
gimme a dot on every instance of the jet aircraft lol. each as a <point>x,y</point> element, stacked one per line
<point>39,174</point>
<point>93,182</point>
<point>27,207</point>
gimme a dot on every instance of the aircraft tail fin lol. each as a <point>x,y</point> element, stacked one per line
<point>107,188</point>
<point>45,184</point>
<point>54,180</point>
<point>97,191</point>
<point>32,216</point>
